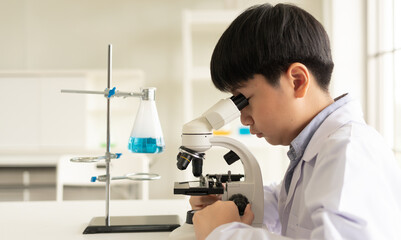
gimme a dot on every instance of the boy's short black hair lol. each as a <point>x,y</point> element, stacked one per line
<point>267,40</point>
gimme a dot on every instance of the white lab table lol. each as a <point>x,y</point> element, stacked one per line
<point>67,220</point>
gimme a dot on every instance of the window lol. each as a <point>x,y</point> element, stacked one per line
<point>384,66</point>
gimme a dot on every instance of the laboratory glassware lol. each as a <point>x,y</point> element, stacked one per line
<point>146,135</point>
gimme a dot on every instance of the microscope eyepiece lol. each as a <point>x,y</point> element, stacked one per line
<point>240,101</point>
<point>185,156</point>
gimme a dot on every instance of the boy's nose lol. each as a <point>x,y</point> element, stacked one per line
<point>246,119</point>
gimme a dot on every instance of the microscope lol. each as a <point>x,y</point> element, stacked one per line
<point>197,138</point>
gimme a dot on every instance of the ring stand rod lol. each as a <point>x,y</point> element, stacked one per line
<point>107,223</point>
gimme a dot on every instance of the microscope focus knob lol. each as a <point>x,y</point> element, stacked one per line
<point>241,201</point>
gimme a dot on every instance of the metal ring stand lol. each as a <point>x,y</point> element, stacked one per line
<point>121,223</point>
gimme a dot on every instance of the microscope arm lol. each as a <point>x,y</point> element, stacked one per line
<point>252,186</point>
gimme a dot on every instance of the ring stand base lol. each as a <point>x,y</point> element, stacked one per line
<point>119,224</point>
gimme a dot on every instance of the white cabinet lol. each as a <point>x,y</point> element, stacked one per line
<point>19,119</point>
<point>35,115</point>
<point>27,183</point>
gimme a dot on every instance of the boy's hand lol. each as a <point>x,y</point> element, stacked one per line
<point>200,202</point>
<point>219,213</point>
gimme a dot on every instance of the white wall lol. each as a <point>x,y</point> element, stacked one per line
<point>146,35</point>
<point>345,22</point>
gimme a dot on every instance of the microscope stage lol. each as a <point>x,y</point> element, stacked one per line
<point>196,188</point>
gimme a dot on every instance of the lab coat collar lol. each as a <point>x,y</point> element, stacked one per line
<point>300,143</point>
<point>351,111</point>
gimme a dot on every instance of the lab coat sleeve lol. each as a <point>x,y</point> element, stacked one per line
<point>271,217</point>
<point>242,231</point>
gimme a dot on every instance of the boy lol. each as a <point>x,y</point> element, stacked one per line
<point>342,181</point>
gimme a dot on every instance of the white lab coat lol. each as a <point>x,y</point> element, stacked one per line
<point>347,186</point>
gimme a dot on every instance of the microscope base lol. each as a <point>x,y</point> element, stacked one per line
<point>159,223</point>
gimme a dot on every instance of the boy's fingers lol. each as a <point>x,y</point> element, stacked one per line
<point>248,215</point>
<point>210,199</point>
<point>199,202</point>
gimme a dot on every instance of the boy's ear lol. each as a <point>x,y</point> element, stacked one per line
<point>300,79</point>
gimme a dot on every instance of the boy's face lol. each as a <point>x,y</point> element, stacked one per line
<point>271,111</point>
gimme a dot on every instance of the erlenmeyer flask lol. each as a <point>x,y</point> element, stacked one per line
<point>146,135</point>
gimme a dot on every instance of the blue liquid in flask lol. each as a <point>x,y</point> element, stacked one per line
<point>145,145</point>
